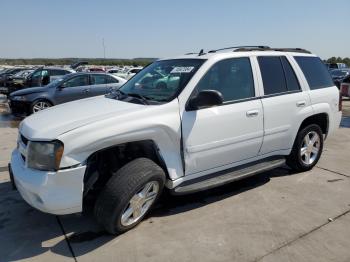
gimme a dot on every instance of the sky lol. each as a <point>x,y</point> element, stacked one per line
<point>163,28</point>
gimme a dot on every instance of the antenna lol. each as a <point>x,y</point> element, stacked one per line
<point>104,58</point>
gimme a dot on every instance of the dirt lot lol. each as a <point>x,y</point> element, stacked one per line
<point>275,216</point>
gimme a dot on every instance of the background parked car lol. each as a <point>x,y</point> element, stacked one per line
<point>128,73</point>
<point>339,74</point>
<point>95,69</point>
<point>5,74</point>
<point>345,87</point>
<point>44,75</point>
<point>16,81</point>
<point>68,88</point>
<point>332,66</point>
<point>114,71</point>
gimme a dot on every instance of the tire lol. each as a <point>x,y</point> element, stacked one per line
<point>39,105</point>
<point>298,159</point>
<point>124,186</point>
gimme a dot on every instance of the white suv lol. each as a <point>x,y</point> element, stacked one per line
<point>217,117</point>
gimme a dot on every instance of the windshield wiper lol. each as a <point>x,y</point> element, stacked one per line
<point>118,94</point>
<point>115,94</point>
<point>143,98</point>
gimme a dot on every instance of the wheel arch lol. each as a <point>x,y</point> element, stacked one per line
<point>42,98</point>
<point>321,119</point>
<point>102,164</point>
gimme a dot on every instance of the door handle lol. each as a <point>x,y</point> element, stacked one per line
<point>86,90</point>
<point>301,103</point>
<point>252,113</point>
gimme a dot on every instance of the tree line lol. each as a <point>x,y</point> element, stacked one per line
<point>334,59</point>
<point>69,61</point>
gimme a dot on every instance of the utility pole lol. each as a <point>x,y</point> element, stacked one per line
<point>104,48</point>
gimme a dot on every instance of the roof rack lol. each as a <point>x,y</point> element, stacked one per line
<point>297,50</point>
<point>257,47</point>
<point>261,48</point>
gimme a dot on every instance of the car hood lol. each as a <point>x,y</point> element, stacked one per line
<point>30,90</point>
<point>52,122</point>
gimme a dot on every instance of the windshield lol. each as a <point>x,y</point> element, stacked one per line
<point>55,82</point>
<point>162,80</point>
<point>23,73</point>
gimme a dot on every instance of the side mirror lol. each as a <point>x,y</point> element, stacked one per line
<point>205,98</point>
<point>60,87</point>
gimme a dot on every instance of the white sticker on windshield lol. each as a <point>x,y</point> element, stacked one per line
<point>182,69</point>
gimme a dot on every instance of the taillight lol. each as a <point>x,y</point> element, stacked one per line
<point>344,89</point>
<point>340,104</point>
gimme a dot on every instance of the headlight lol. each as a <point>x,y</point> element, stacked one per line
<point>18,98</point>
<point>44,155</point>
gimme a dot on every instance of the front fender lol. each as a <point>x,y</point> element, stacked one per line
<point>161,126</point>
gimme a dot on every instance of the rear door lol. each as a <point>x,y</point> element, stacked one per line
<point>99,85</point>
<point>102,84</point>
<point>284,101</point>
<point>73,88</point>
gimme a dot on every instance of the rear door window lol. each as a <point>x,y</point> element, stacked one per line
<point>111,80</point>
<point>314,71</point>
<point>291,78</point>
<point>82,80</point>
<point>98,79</point>
<point>278,75</point>
<point>272,74</point>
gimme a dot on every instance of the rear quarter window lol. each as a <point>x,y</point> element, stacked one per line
<point>315,72</point>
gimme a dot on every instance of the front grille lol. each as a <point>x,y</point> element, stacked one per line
<point>24,140</point>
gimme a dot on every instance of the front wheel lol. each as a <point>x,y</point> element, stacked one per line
<point>40,105</point>
<point>129,195</point>
<point>307,148</point>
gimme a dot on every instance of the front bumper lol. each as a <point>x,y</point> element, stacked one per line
<point>19,107</point>
<point>56,193</point>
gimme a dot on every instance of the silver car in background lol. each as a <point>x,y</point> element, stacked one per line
<point>68,88</point>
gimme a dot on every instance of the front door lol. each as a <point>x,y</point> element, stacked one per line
<point>74,88</point>
<point>217,137</point>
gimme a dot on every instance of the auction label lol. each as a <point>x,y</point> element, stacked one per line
<point>182,69</point>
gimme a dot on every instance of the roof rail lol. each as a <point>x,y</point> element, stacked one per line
<point>257,47</point>
<point>297,50</point>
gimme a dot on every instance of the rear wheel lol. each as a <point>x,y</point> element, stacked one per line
<point>129,195</point>
<point>307,148</point>
<point>40,105</point>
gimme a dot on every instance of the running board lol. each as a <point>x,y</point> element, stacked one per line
<point>227,176</point>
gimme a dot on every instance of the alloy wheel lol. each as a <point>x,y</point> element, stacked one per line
<point>140,203</point>
<point>41,105</point>
<point>310,148</point>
